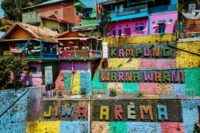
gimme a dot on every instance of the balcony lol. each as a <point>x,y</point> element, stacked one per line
<point>33,56</point>
<point>130,12</point>
<point>49,56</point>
<point>165,8</point>
<point>79,54</point>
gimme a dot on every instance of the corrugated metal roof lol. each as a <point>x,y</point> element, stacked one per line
<point>45,3</point>
<point>50,2</point>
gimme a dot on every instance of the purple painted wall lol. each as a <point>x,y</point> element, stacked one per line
<point>169,18</point>
<point>132,24</point>
<point>78,65</point>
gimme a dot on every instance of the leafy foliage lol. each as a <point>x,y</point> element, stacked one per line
<point>113,93</point>
<point>105,22</point>
<point>13,8</point>
<point>11,69</point>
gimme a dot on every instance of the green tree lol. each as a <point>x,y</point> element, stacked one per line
<point>13,8</point>
<point>105,22</point>
<point>11,69</point>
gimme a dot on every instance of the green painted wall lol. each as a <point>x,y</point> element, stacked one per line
<point>31,17</point>
<point>192,81</point>
<point>53,24</point>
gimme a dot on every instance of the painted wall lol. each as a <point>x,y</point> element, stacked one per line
<point>81,79</point>
<point>14,120</point>
<point>120,41</point>
<point>189,88</point>
<point>188,118</point>
<point>132,24</point>
<point>27,115</point>
<point>170,18</point>
<point>189,62</point>
<point>35,77</point>
<point>77,65</point>
<point>31,17</point>
<point>53,25</point>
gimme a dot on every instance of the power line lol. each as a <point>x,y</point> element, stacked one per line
<point>183,50</point>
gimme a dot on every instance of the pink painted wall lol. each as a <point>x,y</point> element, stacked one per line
<point>37,77</point>
<point>132,24</point>
<point>172,127</point>
<point>34,79</point>
<point>170,26</point>
<point>59,83</point>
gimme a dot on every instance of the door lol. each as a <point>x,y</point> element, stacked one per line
<point>161,29</point>
<point>127,31</point>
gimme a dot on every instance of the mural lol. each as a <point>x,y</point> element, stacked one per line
<point>124,115</point>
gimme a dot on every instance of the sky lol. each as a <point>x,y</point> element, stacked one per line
<point>1,11</point>
<point>89,3</point>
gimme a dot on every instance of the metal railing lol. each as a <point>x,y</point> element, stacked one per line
<point>79,54</point>
<point>50,55</point>
<point>165,8</point>
<point>35,55</point>
<point>129,10</point>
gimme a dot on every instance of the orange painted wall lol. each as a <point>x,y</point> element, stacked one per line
<point>19,33</point>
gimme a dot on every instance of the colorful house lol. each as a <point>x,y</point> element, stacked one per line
<point>33,44</point>
<point>89,24</point>
<point>136,18</point>
<point>78,55</point>
<point>68,11</point>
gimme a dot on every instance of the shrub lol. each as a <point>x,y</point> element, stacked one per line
<point>11,69</point>
<point>113,93</point>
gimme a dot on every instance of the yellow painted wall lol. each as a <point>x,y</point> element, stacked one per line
<point>76,83</point>
<point>43,127</point>
<point>123,63</point>
<point>119,41</point>
<point>187,60</point>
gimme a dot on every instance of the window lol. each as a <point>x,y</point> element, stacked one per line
<point>161,29</point>
<point>120,32</point>
<point>139,28</point>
